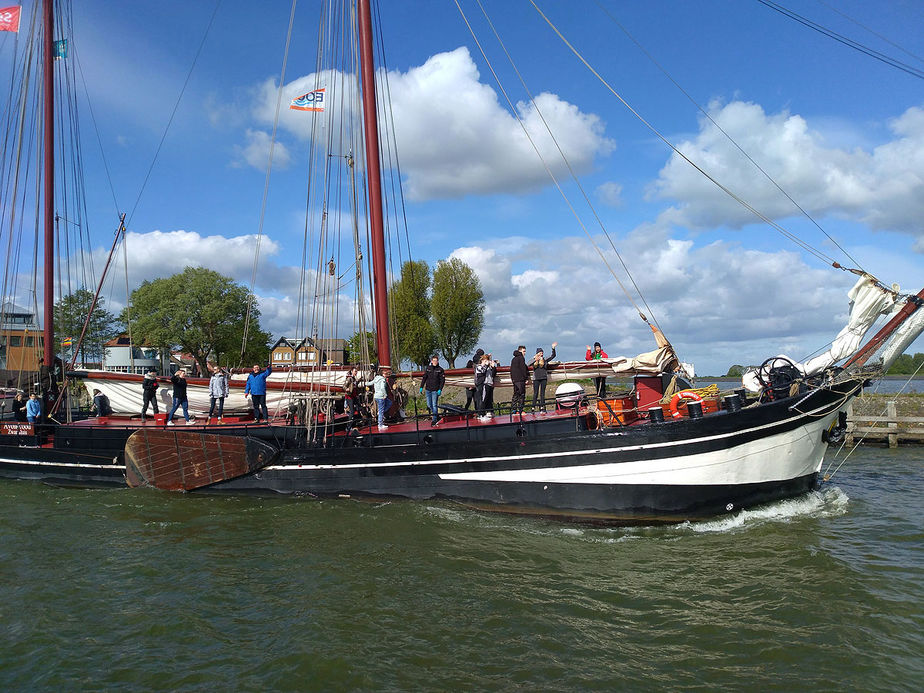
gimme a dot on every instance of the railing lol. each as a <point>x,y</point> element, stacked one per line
<point>890,428</point>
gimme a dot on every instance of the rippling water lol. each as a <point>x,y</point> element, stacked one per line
<point>138,590</point>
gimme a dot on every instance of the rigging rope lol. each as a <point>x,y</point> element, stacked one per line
<point>850,43</point>
<point>725,133</point>
<point>269,166</point>
<point>545,164</point>
<point>744,203</point>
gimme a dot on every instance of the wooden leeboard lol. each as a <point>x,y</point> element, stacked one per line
<point>186,460</point>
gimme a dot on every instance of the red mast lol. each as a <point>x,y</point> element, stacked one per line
<point>373,175</point>
<point>49,144</point>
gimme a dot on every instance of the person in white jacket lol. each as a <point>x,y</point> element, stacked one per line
<point>218,390</point>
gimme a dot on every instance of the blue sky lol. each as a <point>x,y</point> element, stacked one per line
<point>841,132</point>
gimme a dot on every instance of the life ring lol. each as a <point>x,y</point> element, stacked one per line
<point>688,395</point>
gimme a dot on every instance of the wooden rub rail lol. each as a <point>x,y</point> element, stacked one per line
<point>890,428</point>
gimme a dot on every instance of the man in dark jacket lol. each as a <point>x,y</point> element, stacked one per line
<point>433,379</point>
<point>149,393</point>
<point>101,404</point>
<point>519,376</point>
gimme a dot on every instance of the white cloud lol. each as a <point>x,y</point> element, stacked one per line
<point>882,187</point>
<point>453,135</point>
<point>256,152</point>
<point>718,303</point>
<point>610,193</point>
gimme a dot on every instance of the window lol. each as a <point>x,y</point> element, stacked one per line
<point>311,356</point>
<point>30,341</point>
<point>302,356</point>
<point>15,340</point>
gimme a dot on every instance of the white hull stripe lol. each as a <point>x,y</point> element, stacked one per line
<point>543,455</point>
<point>79,465</point>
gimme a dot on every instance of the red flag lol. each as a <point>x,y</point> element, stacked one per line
<point>9,18</point>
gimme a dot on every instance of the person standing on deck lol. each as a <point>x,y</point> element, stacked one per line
<point>256,389</point>
<point>33,408</point>
<point>380,394</point>
<point>218,390</point>
<point>434,378</point>
<point>19,408</point>
<point>149,393</point>
<point>541,377</point>
<point>179,397</point>
<point>471,390</point>
<point>596,355</point>
<point>350,393</point>
<point>519,376</point>
<point>486,370</point>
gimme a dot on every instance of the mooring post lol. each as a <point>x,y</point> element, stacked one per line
<point>851,424</point>
<point>893,423</point>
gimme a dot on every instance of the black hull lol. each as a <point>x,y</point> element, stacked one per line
<point>558,467</point>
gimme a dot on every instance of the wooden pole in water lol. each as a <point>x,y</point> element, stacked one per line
<point>373,175</point>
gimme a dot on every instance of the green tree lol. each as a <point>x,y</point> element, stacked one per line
<point>410,314</point>
<point>458,308</point>
<point>203,313</point>
<point>735,371</point>
<point>906,364</point>
<point>71,311</point>
<point>357,349</point>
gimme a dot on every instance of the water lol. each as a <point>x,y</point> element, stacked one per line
<point>140,590</point>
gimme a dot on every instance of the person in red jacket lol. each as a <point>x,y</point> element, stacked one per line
<point>595,355</point>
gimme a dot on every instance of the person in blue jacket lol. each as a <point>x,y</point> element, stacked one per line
<point>256,389</point>
<point>33,408</point>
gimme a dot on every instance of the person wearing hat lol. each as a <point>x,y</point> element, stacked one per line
<point>101,403</point>
<point>540,366</point>
<point>380,394</point>
<point>596,355</point>
<point>149,393</point>
<point>519,376</point>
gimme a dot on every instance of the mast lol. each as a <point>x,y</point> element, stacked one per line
<point>374,183</point>
<point>48,85</point>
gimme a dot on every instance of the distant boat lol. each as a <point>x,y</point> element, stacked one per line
<point>661,452</point>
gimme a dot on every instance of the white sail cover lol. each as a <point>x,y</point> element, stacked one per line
<point>868,301</point>
<point>125,396</point>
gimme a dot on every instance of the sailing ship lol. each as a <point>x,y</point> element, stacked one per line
<point>658,452</point>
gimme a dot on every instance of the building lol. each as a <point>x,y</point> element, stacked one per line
<point>309,351</point>
<point>121,356</point>
<point>21,341</point>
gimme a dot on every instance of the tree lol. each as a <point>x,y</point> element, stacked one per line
<point>458,308</point>
<point>357,349</point>
<point>71,311</point>
<point>906,364</point>
<point>735,371</point>
<point>203,313</point>
<point>415,340</point>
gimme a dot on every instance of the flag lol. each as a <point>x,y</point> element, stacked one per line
<point>67,342</point>
<point>312,101</point>
<point>60,49</point>
<point>9,18</point>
